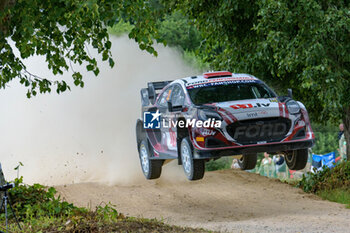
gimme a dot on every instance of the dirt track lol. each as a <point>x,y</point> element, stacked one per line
<point>233,201</point>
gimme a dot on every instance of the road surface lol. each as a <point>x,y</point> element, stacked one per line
<point>226,201</point>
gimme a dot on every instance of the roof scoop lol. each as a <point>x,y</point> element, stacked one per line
<point>217,74</point>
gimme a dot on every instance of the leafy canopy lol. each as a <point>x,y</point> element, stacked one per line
<point>61,30</point>
<point>301,44</point>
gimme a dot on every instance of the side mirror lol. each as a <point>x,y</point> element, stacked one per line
<point>151,93</point>
<point>144,97</point>
<point>170,106</point>
<point>290,93</point>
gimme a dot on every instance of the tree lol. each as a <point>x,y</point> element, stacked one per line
<point>303,44</point>
<point>61,30</point>
<point>178,31</point>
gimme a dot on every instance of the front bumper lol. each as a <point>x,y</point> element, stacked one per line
<point>269,147</point>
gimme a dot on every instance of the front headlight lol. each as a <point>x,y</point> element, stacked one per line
<point>207,114</point>
<point>293,107</point>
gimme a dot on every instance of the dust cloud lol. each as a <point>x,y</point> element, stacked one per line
<point>88,134</point>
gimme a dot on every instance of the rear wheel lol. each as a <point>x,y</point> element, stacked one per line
<point>194,168</point>
<point>150,168</point>
<point>296,159</point>
<point>248,161</point>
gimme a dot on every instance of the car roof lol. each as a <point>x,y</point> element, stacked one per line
<point>216,76</point>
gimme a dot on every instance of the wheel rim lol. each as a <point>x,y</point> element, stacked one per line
<point>289,157</point>
<point>144,159</point>
<point>186,159</point>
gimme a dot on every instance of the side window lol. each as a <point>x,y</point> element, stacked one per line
<point>164,98</point>
<point>261,91</point>
<point>256,92</point>
<point>178,97</point>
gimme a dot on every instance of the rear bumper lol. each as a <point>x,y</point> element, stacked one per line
<point>270,148</point>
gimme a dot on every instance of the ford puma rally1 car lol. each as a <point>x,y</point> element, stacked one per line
<point>199,118</point>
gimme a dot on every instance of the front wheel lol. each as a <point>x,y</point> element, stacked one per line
<point>194,168</point>
<point>248,161</point>
<point>296,159</point>
<point>150,168</point>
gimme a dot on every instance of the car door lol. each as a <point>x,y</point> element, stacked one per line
<point>166,139</point>
<point>177,100</point>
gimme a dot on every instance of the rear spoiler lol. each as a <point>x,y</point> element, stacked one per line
<point>158,85</point>
<point>149,94</point>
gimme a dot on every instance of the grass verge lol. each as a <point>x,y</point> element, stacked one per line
<point>337,195</point>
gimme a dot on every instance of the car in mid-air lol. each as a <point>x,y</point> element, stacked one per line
<point>200,118</point>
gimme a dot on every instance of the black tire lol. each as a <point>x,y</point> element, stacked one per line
<point>248,161</point>
<point>150,168</point>
<point>194,168</point>
<point>296,159</point>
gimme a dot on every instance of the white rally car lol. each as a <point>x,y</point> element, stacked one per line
<point>217,114</point>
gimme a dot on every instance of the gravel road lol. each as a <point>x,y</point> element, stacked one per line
<point>226,201</point>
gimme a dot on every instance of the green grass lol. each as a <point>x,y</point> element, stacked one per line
<point>332,184</point>
<point>337,195</point>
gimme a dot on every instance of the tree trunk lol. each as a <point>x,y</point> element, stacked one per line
<point>346,121</point>
<point>2,182</point>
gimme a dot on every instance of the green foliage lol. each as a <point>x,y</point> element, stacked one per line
<point>34,201</point>
<point>61,31</point>
<point>337,195</point>
<point>300,44</point>
<point>327,179</point>
<point>326,138</point>
<point>219,164</point>
<point>120,28</point>
<point>177,30</point>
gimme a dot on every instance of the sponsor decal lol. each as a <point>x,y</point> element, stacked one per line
<point>210,123</point>
<point>207,132</point>
<point>252,114</point>
<point>217,82</point>
<point>151,120</point>
<point>243,106</point>
<point>260,130</point>
<point>273,100</point>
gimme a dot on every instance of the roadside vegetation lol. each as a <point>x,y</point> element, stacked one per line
<point>177,31</point>
<point>332,184</point>
<point>40,209</point>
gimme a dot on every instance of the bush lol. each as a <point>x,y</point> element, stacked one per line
<point>34,201</point>
<point>327,179</point>
<point>219,164</point>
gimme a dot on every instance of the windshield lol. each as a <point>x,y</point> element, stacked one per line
<point>229,92</point>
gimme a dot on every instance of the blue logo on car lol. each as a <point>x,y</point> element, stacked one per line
<point>151,120</point>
